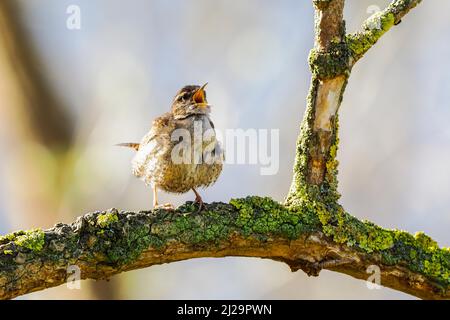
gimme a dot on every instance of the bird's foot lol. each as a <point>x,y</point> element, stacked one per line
<point>165,206</point>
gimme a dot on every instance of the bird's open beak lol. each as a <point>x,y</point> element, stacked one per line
<point>200,96</point>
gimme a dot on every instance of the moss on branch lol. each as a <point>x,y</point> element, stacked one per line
<point>376,26</point>
<point>331,63</point>
<point>126,239</point>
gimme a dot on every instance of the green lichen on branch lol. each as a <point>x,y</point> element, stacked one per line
<point>331,63</point>
<point>372,30</point>
<point>419,253</point>
<point>105,219</point>
<point>377,25</point>
<point>124,239</point>
<point>301,188</point>
<point>32,239</point>
<point>10,236</point>
<point>263,217</point>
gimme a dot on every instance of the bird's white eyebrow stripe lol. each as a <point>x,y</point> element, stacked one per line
<point>180,95</point>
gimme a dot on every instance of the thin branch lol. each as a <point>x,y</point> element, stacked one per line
<point>377,25</point>
<point>103,244</point>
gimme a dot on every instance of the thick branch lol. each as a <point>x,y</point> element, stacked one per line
<point>103,244</point>
<point>315,165</point>
<point>377,25</point>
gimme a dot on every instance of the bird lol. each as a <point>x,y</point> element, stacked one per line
<point>181,151</point>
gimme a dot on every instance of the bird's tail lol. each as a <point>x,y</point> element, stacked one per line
<point>132,145</point>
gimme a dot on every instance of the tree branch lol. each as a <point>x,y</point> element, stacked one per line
<point>377,25</point>
<point>103,244</point>
<point>315,167</point>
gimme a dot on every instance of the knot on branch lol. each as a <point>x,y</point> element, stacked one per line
<point>311,269</point>
<point>331,63</point>
<point>329,261</point>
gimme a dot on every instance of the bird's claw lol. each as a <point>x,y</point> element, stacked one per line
<point>201,204</point>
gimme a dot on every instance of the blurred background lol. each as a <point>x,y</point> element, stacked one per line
<point>68,95</point>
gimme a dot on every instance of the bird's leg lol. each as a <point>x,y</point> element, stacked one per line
<point>155,197</point>
<point>166,206</point>
<point>198,200</point>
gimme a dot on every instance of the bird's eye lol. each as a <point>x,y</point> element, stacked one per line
<point>181,97</point>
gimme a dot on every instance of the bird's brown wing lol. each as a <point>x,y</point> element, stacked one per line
<point>153,146</point>
<point>161,127</point>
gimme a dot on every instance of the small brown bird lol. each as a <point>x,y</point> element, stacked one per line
<point>180,152</point>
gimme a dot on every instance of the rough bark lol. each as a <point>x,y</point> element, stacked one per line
<point>329,63</point>
<point>103,244</point>
<point>310,231</point>
<point>377,25</point>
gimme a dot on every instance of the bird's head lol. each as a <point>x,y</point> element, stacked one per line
<point>190,100</point>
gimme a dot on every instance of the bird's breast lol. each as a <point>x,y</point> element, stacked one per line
<point>185,159</point>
